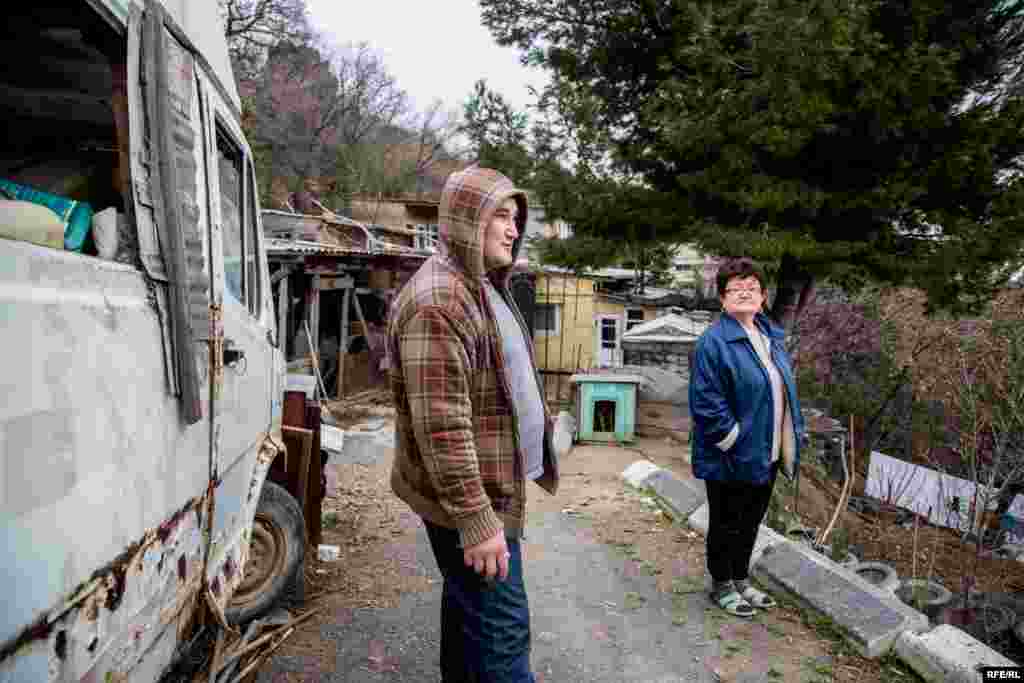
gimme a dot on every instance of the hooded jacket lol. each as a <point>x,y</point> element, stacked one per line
<point>457,458</point>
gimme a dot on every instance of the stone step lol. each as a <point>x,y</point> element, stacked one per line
<point>870,619</point>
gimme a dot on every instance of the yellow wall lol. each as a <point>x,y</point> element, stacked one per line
<point>576,341</point>
<point>573,348</point>
<point>614,308</point>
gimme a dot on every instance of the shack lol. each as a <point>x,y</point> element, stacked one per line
<point>333,279</point>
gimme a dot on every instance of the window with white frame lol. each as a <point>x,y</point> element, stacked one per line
<point>547,319</point>
<point>634,317</point>
<point>426,237</point>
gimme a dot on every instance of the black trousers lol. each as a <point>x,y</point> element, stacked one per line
<point>735,511</point>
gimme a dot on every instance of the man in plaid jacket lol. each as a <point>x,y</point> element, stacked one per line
<point>472,425</point>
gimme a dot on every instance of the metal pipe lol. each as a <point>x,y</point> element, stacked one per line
<point>547,337</point>
<point>575,320</point>
<point>561,344</point>
<point>343,341</point>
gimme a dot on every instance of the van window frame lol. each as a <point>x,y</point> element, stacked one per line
<point>253,229</point>
<point>251,281</point>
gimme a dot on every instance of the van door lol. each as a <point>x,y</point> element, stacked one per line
<point>244,381</point>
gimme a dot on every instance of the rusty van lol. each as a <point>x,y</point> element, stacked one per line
<point>141,380</point>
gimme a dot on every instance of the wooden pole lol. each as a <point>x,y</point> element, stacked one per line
<point>314,312</point>
<point>362,320</point>
<point>343,341</point>
<point>562,308</point>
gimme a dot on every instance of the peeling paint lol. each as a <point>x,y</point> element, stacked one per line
<point>61,646</point>
<point>229,568</point>
<point>104,619</point>
<point>40,630</point>
<point>149,593</point>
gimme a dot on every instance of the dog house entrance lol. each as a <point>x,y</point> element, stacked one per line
<point>606,406</point>
<point>604,416</point>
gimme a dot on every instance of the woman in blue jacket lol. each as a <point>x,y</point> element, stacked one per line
<point>746,427</point>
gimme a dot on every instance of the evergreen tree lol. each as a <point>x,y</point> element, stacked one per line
<point>853,139</point>
<point>499,135</point>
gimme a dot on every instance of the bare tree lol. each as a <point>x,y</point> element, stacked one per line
<point>252,27</point>
<point>438,130</point>
<point>312,115</point>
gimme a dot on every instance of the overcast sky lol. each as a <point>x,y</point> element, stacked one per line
<point>432,52</point>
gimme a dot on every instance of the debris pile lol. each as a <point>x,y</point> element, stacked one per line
<point>238,656</point>
<point>356,408</point>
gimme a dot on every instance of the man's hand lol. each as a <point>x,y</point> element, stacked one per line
<point>489,557</point>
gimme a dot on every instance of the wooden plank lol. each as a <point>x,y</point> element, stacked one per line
<point>294,409</point>
<point>301,440</point>
<point>314,314</point>
<point>362,320</point>
<point>315,490</point>
<point>343,342</point>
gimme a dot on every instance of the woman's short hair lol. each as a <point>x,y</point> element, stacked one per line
<point>742,268</point>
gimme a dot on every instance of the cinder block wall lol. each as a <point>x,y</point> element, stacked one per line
<point>671,356</point>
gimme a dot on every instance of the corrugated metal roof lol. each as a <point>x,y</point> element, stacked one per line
<point>307,248</point>
<point>282,246</point>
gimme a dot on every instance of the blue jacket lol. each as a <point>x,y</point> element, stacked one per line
<point>729,385</point>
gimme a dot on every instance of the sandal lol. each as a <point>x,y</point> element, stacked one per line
<point>734,603</point>
<point>755,597</point>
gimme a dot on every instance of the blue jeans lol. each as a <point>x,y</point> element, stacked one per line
<point>485,625</point>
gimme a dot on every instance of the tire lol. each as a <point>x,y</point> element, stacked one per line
<point>850,561</point>
<point>877,573</point>
<point>277,549</point>
<point>938,595</point>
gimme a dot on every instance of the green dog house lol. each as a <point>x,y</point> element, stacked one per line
<point>606,406</point>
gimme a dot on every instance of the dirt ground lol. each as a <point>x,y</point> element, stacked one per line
<point>800,645</point>
<point>940,553</point>
<point>377,534</point>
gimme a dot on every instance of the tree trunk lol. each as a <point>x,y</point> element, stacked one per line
<point>794,292</point>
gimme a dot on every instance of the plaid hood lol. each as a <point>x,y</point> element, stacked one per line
<point>468,203</point>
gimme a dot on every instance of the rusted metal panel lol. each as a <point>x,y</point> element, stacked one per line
<point>116,618</point>
<point>239,496</point>
<point>92,429</point>
<point>131,614</point>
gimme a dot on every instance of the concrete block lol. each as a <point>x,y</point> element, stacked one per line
<point>766,538</point>
<point>947,654</point>
<point>635,474</point>
<point>871,619</point>
<point>680,496</point>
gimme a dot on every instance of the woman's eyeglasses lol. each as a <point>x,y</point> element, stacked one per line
<point>737,291</point>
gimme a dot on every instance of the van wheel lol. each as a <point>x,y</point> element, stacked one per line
<point>277,548</point>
